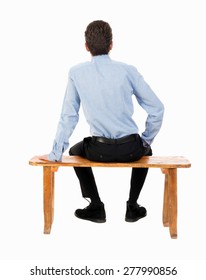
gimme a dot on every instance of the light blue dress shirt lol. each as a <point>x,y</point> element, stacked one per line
<point>104,88</point>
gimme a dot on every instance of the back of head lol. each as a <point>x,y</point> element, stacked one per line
<point>98,36</point>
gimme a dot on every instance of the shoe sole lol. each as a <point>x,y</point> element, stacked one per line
<point>134,220</point>
<point>99,221</point>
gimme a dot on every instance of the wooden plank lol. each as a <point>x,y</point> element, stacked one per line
<point>144,162</point>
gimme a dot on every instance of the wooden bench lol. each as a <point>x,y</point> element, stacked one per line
<point>167,164</point>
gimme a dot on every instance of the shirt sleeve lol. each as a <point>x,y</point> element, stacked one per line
<point>148,100</point>
<point>68,120</point>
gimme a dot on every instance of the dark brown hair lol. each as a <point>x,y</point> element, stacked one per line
<point>98,36</point>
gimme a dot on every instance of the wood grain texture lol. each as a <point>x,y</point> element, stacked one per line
<point>144,162</point>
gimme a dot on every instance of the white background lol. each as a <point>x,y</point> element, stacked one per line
<point>40,41</point>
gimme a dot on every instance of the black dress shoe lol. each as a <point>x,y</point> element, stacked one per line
<point>134,212</point>
<point>93,212</point>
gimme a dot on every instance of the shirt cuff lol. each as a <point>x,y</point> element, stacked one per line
<point>145,144</point>
<point>53,157</point>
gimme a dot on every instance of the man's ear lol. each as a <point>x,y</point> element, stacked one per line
<point>111,46</point>
<point>86,46</point>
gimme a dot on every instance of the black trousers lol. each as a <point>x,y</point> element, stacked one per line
<point>101,152</point>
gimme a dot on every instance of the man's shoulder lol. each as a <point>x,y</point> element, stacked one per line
<point>79,66</point>
<point>124,65</point>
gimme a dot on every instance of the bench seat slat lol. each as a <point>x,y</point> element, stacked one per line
<point>144,162</point>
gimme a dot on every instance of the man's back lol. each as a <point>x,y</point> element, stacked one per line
<point>105,88</point>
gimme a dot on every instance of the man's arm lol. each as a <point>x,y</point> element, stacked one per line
<point>67,123</point>
<point>148,100</point>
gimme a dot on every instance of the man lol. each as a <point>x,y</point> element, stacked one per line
<point>104,88</point>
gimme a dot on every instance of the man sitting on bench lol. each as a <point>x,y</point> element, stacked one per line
<point>105,87</point>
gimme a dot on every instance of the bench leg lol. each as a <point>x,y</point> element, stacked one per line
<point>165,212</point>
<point>172,199</point>
<point>48,178</point>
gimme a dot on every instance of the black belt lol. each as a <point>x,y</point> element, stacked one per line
<point>121,140</point>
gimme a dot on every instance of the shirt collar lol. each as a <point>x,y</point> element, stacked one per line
<point>103,57</point>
